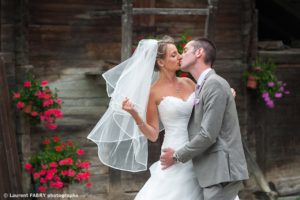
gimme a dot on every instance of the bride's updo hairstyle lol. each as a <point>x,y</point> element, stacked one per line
<point>162,49</point>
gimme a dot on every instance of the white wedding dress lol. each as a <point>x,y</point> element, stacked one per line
<point>178,181</point>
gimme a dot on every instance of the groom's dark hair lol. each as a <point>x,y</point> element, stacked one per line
<point>208,47</point>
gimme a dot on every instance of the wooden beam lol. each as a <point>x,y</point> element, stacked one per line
<point>126,29</point>
<point>147,11</point>
<point>98,13</point>
<point>169,11</point>
<point>210,24</point>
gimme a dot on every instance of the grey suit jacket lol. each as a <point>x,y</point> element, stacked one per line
<point>215,140</point>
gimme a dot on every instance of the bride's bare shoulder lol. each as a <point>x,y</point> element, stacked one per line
<point>156,92</point>
<point>187,81</point>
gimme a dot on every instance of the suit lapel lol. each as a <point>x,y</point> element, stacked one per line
<point>201,86</point>
<point>198,96</point>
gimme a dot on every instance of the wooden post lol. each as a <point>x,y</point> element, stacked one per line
<point>10,167</point>
<point>258,174</point>
<point>22,67</point>
<point>126,29</point>
<point>210,23</point>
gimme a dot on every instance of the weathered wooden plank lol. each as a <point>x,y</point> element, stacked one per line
<point>170,11</point>
<point>10,166</point>
<point>70,2</point>
<point>180,4</point>
<point>126,29</point>
<point>210,23</point>
<point>153,11</point>
<point>287,56</point>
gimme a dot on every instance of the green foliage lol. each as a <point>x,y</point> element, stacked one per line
<point>184,39</point>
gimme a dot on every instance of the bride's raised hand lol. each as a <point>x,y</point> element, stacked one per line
<point>128,106</point>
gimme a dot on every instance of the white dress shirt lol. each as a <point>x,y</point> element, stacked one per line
<point>202,76</point>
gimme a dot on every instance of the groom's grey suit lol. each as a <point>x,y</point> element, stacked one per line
<point>215,140</point>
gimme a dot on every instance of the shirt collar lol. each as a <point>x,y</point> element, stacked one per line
<point>202,76</point>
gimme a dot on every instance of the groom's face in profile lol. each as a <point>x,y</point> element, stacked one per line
<point>188,56</point>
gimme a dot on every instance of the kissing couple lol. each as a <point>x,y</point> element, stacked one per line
<point>202,155</point>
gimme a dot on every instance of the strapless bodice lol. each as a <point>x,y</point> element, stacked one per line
<point>174,114</point>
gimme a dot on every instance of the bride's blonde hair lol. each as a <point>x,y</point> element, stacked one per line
<point>162,49</point>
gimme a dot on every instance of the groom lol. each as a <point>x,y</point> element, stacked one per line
<point>215,145</point>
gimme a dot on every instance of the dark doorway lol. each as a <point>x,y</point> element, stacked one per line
<point>279,20</point>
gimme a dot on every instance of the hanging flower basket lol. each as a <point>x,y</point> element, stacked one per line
<point>252,82</point>
<point>261,77</point>
<point>39,102</point>
<point>28,108</point>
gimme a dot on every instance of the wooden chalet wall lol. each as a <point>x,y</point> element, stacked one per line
<point>68,49</point>
<point>277,130</point>
<point>71,50</point>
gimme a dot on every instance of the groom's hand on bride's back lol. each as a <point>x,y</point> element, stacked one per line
<point>166,158</point>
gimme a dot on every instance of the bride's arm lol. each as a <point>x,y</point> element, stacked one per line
<point>150,128</point>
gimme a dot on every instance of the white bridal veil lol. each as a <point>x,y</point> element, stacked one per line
<point>121,145</point>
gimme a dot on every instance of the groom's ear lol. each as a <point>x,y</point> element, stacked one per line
<point>199,52</point>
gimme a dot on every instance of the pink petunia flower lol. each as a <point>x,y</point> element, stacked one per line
<point>278,94</point>
<point>265,95</point>
<point>270,104</point>
<point>271,84</point>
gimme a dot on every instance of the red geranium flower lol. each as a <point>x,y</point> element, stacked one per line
<point>42,188</point>
<point>46,141</point>
<point>80,152</point>
<point>27,84</point>
<point>56,138</point>
<point>58,148</point>
<point>20,105</point>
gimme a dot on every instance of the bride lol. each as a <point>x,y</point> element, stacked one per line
<point>133,116</point>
